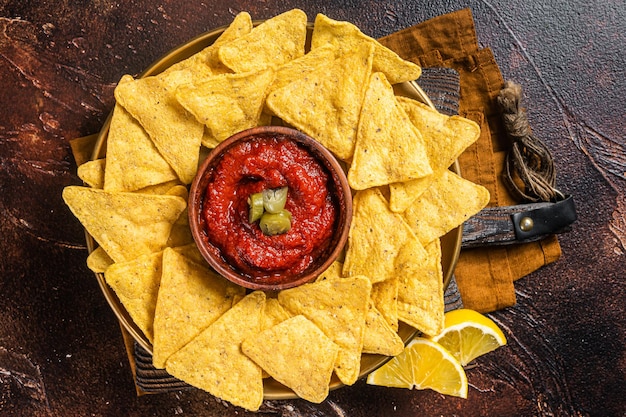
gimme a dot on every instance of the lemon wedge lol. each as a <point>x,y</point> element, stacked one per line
<point>423,364</point>
<point>467,334</point>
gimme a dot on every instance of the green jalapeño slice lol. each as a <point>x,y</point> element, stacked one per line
<point>255,201</point>
<point>275,223</point>
<point>274,199</point>
<point>268,207</point>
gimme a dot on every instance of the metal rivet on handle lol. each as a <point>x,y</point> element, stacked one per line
<point>526,224</point>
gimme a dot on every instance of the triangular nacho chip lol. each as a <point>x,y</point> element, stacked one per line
<point>206,63</point>
<point>214,362</point>
<point>385,298</point>
<point>136,284</point>
<point>175,132</point>
<point>132,162</point>
<point>92,173</point>
<point>273,314</point>
<point>191,297</point>
<point>375,238</point>
<point>326,103</point>
<point>126,225</point>
<point>295,353</point>
<point>388,147</point>
<point>446,204</point>
<point>301,67</point>
<point>227,103</point>
<point>445,138</point>
<point>420,293</point>
<point>98,260</point>
<point>274,42</point>
<point>338,307</point>
<point>347,36</point>
<point>380,338</point>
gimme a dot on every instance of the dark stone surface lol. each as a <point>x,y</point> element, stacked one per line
<point>61,352</point>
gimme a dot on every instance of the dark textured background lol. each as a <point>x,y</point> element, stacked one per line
<point>61,353</point>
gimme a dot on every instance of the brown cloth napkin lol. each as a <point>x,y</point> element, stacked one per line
<point>484,275</point>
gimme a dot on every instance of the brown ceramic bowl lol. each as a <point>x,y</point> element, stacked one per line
<point>324,254</point>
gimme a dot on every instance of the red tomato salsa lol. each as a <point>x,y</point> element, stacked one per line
<point>267,163</point>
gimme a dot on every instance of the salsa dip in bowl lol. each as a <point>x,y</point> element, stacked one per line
<point>270,208</point>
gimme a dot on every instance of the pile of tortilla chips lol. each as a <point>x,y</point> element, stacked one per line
<point>218,336</point>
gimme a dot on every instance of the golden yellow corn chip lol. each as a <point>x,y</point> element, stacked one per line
<point>375,238</point>
<point>385,298</point>
<point>301,67</point>
<point>445,138</point>
<point>206,63</point>
<point>181,231</point>
<point>191,252</point>
<point>388,147</point>
<point>160,189</point>
<point>132,162</point>
<point>274,42</point>
<point>227,103</point>
<point>347,37</point>
<point>175,132</point>
<point>126,225</point>
<point>446,204</point>
<point>379,337</point>
<point>214,362</point>
<point>136,284</point>
<point>327,102</point>
<point>98,260</point>
<point>191,297</point>
<point>338,307</point>
<point>297,354</point>
<point>273,314</point>
<point>420,294</point>
<point>92,173</point>
<point>333,271</point>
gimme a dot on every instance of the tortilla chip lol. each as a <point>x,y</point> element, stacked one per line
<point>191,297</point>
<point>445,138</point>
<point>132,162</point>
<point>388,147</point>
<point>347,37</point>
<point>206,63</point>
<point>274,42</point>
<point>297,354</point>
<point>375,238</point>
<point>273,314</point>
<point>303,66</point>
<point>332,272</point>
<point>385,298</point>
<point>92,173</point>
<point>446,204</point>
<point>136,284</point>
<point>379,337</point>
<point>126,225</point>
<point>227,103</point>
<point>192,253</point>
<point>98,260</point>
<point>326,103</point>
<point>338,307</point>
<point>214,362</point>
<point>176,133</point>
<point>420,294</point>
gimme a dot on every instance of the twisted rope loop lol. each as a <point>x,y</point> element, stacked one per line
<point>529,168</point>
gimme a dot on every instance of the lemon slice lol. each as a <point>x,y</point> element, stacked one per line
<point>423,364</point>
<point>467,334</point>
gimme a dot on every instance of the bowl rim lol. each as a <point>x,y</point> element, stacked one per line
<point>325,158</point>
